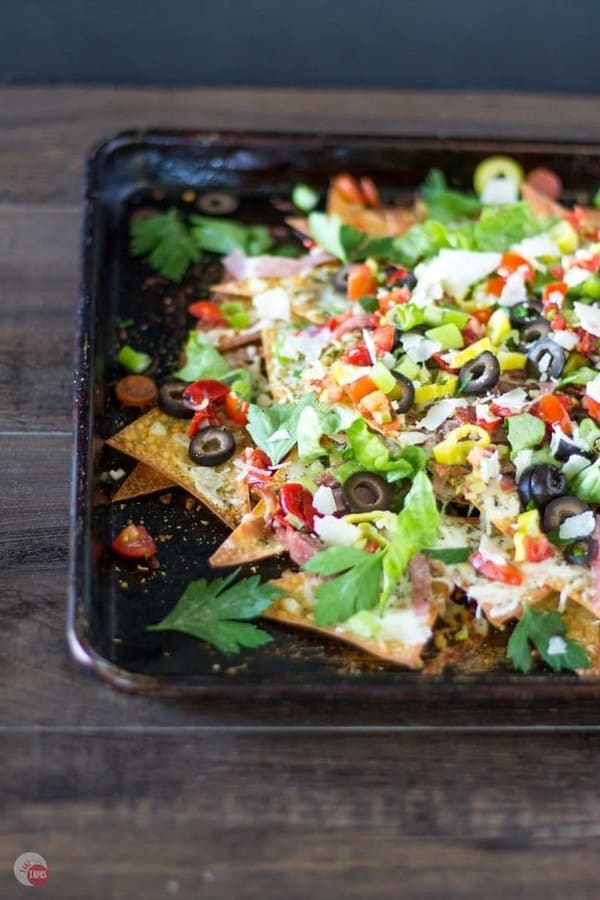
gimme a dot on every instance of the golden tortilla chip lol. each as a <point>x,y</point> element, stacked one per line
<point>161,442</point>
<point>142,480</point>
<point>249,542</point>
<point>295,608</point>
<point>381,221</point>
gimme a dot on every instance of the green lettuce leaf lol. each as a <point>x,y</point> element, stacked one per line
<point>499,227</point>
<point>445,204</point>
<point>274,429</point>
<point>202,360</point>
<point>319,420</point>
<point>371,453</point>
<point>525,432</point>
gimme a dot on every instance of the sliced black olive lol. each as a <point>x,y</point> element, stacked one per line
<point>409,280</point>
<point>212,446</point>
<point>565,449</point>
<point>524,313</point>
<point>218,203</point>
<point>560,509</point>
<point>480,374</point>
<point>545,359</point>
<point>581,552</point>
<point>365,491</point>
<point>524,486</point>
<point>403,394</point>
<point>534,331</point>
<point>546,482</point>
<point>339,281</point>
<point>170,400</point>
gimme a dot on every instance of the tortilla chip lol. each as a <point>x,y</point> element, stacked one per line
<point>285,384</point>
<point>540,204</point>
<point>161,442</point>
<point>295,609</point>
<point>377,222</point>
<point>249,542</point>
<point>142,480</point>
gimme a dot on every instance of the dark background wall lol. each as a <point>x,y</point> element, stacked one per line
<point>530,45</point>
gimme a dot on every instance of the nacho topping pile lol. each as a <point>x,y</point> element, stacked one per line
<point>405,400</point>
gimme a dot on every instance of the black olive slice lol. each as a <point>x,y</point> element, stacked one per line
<point>212,446</point>
<point>524,313</point>
<point>560,509</point>
<point>218,203</point>
<point>480,374</point>
<point>170,400</point>
<point>524,486</point>
<point>365,491</point>
<point>403,394</point>
<point>409,280</point>
<point>581,552</point>
<point>545,359</point>
<point>565,449</point>
<point>534,331</point>
<point>546,483</point>
<point>339,281</point>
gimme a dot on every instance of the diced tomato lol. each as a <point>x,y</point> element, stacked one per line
<point>545,182</point>
<point>361,282</point>
<point>537,549</point>
<point>384,337</point>
<point>348,187</point>
<point>296,504</point>
<point>483,315</point>
<point>369,191</point>
<point>396,297</point>
<point>335,321</point>
<point>207,312</point>
<point>358,356</point>
<point>208,389</point>
<point>236,408</point>
<point>513,262</point>
<point>134,542</point>
<point>473,330</point>
<point>591,406</point>
<point>552,410</point>
<point>558,322</point>
<point>592,264</point>
<point>495,285</point>
<point>376,405</point>
<point>441,363</point>
<point>503,411</point>
<point>258,461</point>
<point>358,389</point>
<point>504,573</point>
<point>549,299</point>
<point>202,418</point>
<point>489,426</point>
<point>557,272</point>
<point>587,342</point>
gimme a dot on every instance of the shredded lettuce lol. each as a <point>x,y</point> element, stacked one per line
<point>202,360</point>
<point>444,204</point>
<point>370,452</point>
<point>317,421</point>
<point>525,432</point>
<point>499,227</point>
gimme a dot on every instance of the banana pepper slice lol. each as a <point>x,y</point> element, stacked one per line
<point>458,443</point>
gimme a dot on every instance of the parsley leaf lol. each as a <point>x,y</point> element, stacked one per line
<point>546,631</point>
<point>166,242</point>
<point>356,588</point>
<point>274,429</point>
<point>211,611</point>
<point>225,235</point>
<point>202,360</point>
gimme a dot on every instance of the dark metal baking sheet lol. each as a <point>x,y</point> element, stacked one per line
<point>110,605</point>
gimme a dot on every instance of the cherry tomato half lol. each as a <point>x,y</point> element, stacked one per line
<point>236,408</point>
<point>361,282</point>
<point>208,389</point>
<point>296,504</point>
<point>504,573</point>
<point>134,542</point>
<point>207,312</point>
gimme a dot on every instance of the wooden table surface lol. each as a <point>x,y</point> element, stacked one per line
<point>133,797</point>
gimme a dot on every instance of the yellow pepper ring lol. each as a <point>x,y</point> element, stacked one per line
<point>458,443</point>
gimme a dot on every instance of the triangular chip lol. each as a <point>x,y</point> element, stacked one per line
<point>295,608</point>
<point>140,481</point>
<point>250,541</point>
<point>161,442</point>
<point>382,221</point>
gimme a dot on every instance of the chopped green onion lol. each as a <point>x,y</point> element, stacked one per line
<point>369,304</point>
<point>305,197</point>
<point>236,314</point>
<point>133,360</point>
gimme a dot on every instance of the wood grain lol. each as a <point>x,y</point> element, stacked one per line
<point>45,133</point>
<point>131,796</point>
<point>238,816</point>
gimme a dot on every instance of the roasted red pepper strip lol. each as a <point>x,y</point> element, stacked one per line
<point>209,390</point>
<point>505,573</point>
<point>236,408</point>
<point>296,505</point>
<point>553,410</point>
